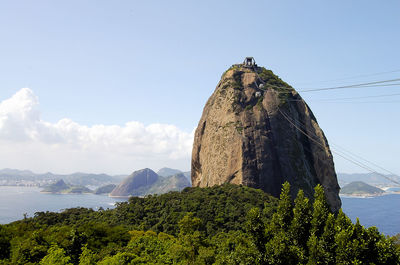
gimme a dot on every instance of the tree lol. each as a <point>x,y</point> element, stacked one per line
<point>279,248</point>
<point>87,257</point>
<point>5,244</point>
<point>56,255</point>
<point>190,240</point>
<point>234,247</point>
<point>78,241</point>
<point>327,241</point>
<point>320,211</point>
<point>188,224</point>
<point>300,225</point>
<point>256,229</point>
<point>122,258</point>
<point>31,249</point>
<point>282,218</point>
<point>322,250</point>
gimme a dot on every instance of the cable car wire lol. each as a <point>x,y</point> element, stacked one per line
<point>352,160</point>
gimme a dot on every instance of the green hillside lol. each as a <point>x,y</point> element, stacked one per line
<point>220,225</point>
<point>105,189</point>
<point>360,188</point>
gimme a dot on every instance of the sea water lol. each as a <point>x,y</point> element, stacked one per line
<point>15,201</point>
<point>382,211</point>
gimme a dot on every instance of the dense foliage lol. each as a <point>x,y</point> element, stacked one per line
<point>219,225</point>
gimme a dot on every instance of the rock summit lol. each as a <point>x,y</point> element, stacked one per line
<point>257,131</point>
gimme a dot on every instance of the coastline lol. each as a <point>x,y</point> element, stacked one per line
<point>66,193</point>
<point>367,195</point>
<point>121,197</point>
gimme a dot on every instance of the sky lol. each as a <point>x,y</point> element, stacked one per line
<point>116,86</point>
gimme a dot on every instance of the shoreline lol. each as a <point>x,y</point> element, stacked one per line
<point>67,193</point>
<point>122,197</point>
<point>367,195</point>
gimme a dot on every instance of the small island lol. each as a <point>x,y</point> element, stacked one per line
<point>60,187</point>
<point>361,189</point>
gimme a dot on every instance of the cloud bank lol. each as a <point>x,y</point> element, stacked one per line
<point>28,142</point>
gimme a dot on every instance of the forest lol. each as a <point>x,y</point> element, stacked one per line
<point>225,224</point>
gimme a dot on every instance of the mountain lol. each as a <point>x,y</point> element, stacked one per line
<point>370,178</point>
<point>360,188</point>
<point>85,179</point>
<point>15,172</point>
<point>146,181</point>
<point>166,171</point>
<point>15,176</point>
<point>61,187</point>
<point>105,189</point>
<point>175,182</point>
<point>136,184</point>
<point>257,131</point>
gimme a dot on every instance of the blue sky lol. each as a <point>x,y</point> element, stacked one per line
<point>108,63</point>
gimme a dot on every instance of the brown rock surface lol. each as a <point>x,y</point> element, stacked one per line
<point>250,134</point>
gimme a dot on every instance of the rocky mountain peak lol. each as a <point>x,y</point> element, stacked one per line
<point>256,130</point>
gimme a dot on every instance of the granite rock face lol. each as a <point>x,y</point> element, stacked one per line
<point>257,131</point>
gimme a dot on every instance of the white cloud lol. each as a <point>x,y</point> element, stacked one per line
<point>66,146</point>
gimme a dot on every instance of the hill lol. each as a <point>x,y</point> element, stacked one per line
<point>166,172</point>
<point>360,188</point>
<point>61,187</point>
<point>175,182</point>
<point>146,181</point>
<point>105,189</point>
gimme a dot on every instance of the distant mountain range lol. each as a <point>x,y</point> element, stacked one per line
<point>139,183</point>
<point>28,178</point>
<point>370,178</point>
<point>164,180</point>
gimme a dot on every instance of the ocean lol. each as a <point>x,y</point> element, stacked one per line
<point>382,212</point>
<point>15,201</point>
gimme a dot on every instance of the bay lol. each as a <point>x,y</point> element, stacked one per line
<point>15,201</point>
<point>381,211</point>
